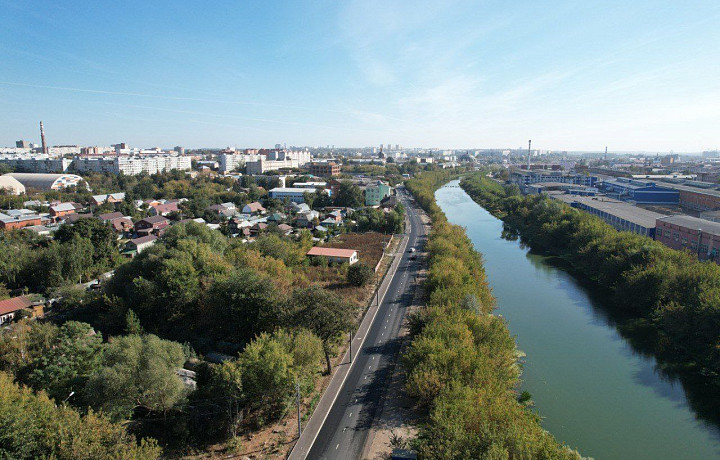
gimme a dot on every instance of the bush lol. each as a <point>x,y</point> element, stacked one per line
<point>359,274</point>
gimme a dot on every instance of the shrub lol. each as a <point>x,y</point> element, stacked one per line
<point>359,274</point>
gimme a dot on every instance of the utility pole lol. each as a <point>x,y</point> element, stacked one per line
<point>297,400</point>
<point>377,291</point>
<point>351,346</point>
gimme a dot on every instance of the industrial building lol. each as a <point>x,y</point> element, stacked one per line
<point>44,182</point>
<point>699,236</point>
<point>621,215</point>
<point>523,178</point>
<point>696,195</point>
<point>639,191</point>
<point>294,194</point>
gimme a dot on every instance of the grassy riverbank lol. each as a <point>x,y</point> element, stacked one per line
<point>462,362</point>
<point>668,300</point>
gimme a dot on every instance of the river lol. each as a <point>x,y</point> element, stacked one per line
<point>594,391</point>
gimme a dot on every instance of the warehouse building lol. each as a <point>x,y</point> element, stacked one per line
<point>699,236</point>
<point>640,191</point>
<point>621,215</point>
<point>698,196</point>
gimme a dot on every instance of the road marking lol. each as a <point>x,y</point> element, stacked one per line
<point>350,414</point>
<point>336,447</point>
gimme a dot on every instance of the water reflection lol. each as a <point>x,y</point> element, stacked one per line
<point>589,367</point>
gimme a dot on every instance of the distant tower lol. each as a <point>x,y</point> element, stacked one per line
<point>529,144</point>
<point>605,152</point>
<point>42,138</point>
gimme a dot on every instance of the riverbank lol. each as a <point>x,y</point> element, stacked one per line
<point>462,362</point>
<point>665,302</point>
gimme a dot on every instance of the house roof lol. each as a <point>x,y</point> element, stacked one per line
<point>143,239</point>
<point>331,252</point>
<point>254,206</point>
<point>121,223</point>
<point>284,227</point>
<point>166,207</point>
<point>111,216</point>
<point>14,304</point>
<point>153,219</point>
<point>63,207</point>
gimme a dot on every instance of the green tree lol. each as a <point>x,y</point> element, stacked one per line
<point>66,366</point>
<point>349,195</point>
<point>101,235</point>
<point>267,377</point>
<point>244,305</point>
<point>324,313</point>
<point>139,372</point>
<point>33,426</point>
<point>359,274</point>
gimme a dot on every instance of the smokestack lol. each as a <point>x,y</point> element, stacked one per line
<point>529,143</point>
<point>42,138</point>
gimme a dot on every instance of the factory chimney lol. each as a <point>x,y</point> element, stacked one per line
<point>42,138</point>
<point>529,144</point>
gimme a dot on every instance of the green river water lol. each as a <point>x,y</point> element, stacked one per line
<point>594,391</point>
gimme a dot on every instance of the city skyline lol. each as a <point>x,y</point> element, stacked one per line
<point>458,75</point>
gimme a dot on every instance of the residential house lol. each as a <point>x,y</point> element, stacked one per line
<point>285,229</point>
<point>120,223</point>
<point>306,219</point>
<point>253,208</point>
<point>276,218</point>
<point>163,209</point>
<point>41,230</point>
<point>334,255</point>
<point>258,228</point>
<point>153,224</point>
<point>62,209</point>
<point>297,207</point>
<point>138,245</point>
<point>9,308</point>
<point>108,198</point>
<point>224,209</point>
<point>12,223</point>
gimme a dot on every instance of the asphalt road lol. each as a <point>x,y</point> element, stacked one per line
<point>347,425</point>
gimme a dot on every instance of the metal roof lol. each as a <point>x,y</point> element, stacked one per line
<point>331,252</point>
<point>693,223</point>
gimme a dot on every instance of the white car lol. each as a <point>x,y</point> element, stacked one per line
<point>411,250</point>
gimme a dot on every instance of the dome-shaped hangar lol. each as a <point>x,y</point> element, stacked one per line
<point>44,182</point>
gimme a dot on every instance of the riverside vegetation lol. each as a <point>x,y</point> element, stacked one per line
<point>668,302</point>
<point>462,362</point>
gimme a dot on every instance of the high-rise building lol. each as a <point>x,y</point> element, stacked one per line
<point>179,149</point>
<point>22,144</point>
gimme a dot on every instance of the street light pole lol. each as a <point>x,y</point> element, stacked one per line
<point>297,400</point>
<point>351,346</point>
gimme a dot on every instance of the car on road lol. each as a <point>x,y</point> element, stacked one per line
<point>411,250</point>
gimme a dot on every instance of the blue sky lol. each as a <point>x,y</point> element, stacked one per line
<point>639,75</point>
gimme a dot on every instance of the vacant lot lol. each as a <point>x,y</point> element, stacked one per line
<point>368,245</point>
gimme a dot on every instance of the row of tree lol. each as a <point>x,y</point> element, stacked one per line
<point>462,361</point>
<point>674,297</point>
